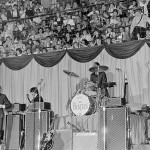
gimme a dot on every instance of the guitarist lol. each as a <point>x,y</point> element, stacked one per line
<point>4,104</point>
<point>35,94</point>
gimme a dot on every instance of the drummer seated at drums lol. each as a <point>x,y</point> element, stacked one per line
<point>99,77</point>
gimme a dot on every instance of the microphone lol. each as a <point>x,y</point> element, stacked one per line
<point>118,69</point>
<point>40,82</point>
<point>28,98</point>
<point>148,65</point>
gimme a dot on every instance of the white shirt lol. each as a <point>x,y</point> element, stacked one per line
<point>11,4</point>
<point>145,6</point>
<point>86,37</point>
<point>142,23</point>
<point>69,21</point>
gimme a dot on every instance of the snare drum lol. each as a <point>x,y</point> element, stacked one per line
<point>83,105</point>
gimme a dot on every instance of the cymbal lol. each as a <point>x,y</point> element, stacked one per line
<point>98,69</point>
<point>89,83</point>
<point>71,73</point>
<point>109,84</point>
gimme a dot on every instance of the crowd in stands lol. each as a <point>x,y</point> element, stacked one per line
<point>26,27</point>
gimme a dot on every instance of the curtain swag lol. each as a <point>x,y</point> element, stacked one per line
<point>83,55</point>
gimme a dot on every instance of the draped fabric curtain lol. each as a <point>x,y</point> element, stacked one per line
<point>138,76</point>
<point>18,75</point>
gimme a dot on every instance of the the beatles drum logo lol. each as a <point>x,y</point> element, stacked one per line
<point>80,104</point>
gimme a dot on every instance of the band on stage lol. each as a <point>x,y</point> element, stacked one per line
<point>94,90</point>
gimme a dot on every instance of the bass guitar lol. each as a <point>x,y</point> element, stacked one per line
<point>47,138</point>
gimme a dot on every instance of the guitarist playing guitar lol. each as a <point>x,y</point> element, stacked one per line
<point>47,139</point>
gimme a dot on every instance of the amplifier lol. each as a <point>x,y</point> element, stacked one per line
<point>43,106</point>
<point>19,107</point>
<point>113,125</point>
<point>115,101</point>
<point>35,127</point>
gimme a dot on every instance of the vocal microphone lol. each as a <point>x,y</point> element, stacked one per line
<point>28,98</point>
<point>39,83</point>
<point>148,65</point>
<point>118,69</point>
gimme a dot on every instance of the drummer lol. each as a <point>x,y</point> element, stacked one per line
<point>99,76</point>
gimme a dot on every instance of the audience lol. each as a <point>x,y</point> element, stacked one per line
<point>28,27</point>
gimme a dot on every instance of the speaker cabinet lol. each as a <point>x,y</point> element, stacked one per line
<point>14,126</point>
<point>113,128</point>
<point>36,125</point>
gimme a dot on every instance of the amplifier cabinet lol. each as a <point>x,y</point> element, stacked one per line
<point>19,107</point>
<point>14,126</point>
<point>113,127</point>
<point>114,101</point>
<point>43,106</point>
<point>36,125</point>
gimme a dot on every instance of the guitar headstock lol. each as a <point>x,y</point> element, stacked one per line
<point>55,117</point>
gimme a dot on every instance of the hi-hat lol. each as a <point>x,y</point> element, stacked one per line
<point>109,84</point>
<point>71,73</point>
<point>98,69</point>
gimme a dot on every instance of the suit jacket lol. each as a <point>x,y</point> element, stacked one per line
<point>36,99</point>
<point>101,79</point>
<point>9,15</point>
<point>4,101</point>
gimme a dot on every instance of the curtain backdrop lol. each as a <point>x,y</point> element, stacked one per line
<point>57,86</point>
<point>83,55</point>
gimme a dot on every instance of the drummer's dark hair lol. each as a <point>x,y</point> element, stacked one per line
<point>96,63</point>
<point>34,89</point>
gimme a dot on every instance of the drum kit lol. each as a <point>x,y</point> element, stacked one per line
<point>85,102</point>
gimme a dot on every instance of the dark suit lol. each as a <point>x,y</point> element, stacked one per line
<point>102,78</point>
<point>9,15</point>
<point>36,99</point>
<point>3,101</point>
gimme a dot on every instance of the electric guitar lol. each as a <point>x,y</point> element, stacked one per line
<point>47,139</point>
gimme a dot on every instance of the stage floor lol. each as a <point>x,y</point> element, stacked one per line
<point>81,141</point>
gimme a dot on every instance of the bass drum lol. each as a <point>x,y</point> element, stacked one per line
<point>83,105</point>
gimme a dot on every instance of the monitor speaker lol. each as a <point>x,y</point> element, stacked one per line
<point>14,126</point>
<point>113,128</point>
<point>36,125</point>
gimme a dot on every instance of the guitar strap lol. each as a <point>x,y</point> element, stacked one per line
<point>140,20</point>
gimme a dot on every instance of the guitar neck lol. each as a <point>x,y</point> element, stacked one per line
<point>55,117</point>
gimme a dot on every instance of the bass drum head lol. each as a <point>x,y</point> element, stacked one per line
<point>83,105</point>
<point>80,105</point>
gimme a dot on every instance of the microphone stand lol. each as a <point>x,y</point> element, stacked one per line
<point>39,115</point>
